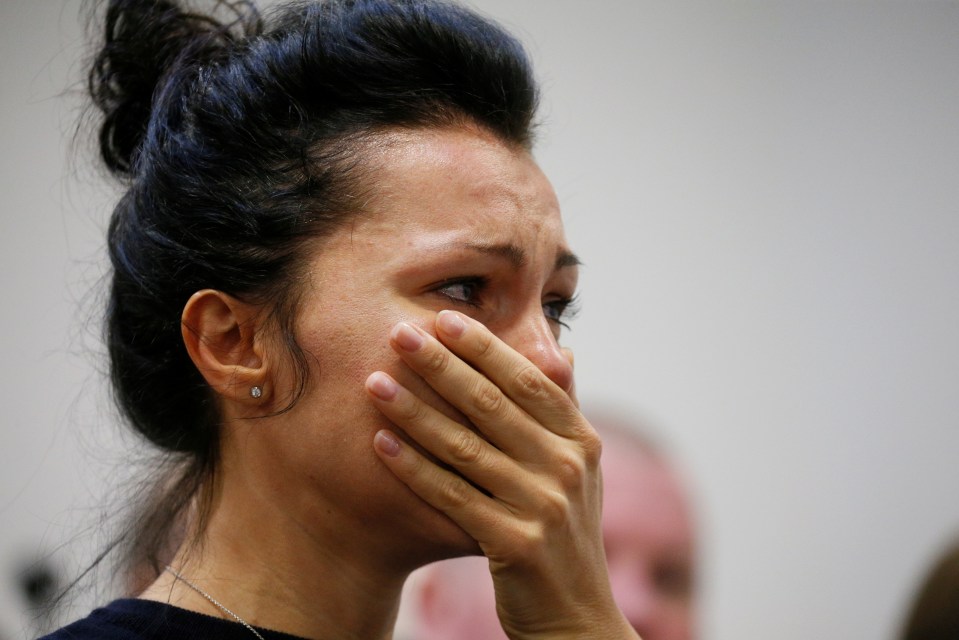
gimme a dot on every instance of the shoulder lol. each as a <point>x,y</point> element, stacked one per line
<point>131,619</point>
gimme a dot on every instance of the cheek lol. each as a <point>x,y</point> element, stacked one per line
<point>346,343</point>
<point>343,324</point>
<point>327,435</point>
<point>346,339</point>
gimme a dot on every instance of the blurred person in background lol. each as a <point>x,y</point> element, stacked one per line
<point>650,541</point>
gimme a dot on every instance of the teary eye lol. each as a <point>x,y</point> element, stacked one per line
<point>561,310</point>
<point>463,290</point>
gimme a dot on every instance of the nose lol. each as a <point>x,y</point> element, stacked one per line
<point>532,336</point>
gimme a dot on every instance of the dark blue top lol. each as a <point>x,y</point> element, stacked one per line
<point>131,619</point>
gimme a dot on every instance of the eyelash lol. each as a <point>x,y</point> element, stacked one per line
<point>564,309</point>
<point>478,283</point>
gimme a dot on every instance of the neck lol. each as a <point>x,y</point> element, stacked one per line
<point>276,573</point>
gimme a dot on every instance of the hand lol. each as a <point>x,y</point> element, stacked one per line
<point>526,485</point>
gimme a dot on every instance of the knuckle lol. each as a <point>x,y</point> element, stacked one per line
<point>412,468</point>
<point>437,361</point>
<point>486,398</point>
<point>571,472</point>
<point>412,412</point>
<point>467,449</point>
<point>483,344</point>
<point>529,381</point>
<point>452,494</point>
<point>592,446</point>
<point>555,508</point>
<point>526,543</point>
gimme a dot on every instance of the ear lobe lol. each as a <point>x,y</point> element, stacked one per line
<point>220,334</point>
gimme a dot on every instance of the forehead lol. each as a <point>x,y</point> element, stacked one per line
<point>458,182</point>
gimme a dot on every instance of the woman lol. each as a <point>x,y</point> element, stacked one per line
<point>339,284</point>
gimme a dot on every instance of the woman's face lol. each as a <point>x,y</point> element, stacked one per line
<point>455,220</point>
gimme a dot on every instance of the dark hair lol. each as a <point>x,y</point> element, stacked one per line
<point>237,140</point>
<point>934,614</point>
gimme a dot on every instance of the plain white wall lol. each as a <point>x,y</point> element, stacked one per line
<point>766,198</point>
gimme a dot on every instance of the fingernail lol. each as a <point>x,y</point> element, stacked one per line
<point>386,443</point>
<point>451,323</point>
<point>381,386</point>
<point>407,337</point>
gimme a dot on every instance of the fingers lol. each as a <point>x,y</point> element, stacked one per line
<point>572,363</point>
<point>512,403</point>
<point>450,442</point>
<point>494,414</point>
<point>525,486</point>
<point>442,489</point>
<point>514,435</point>
<point>509,385</point>
<point>506,506</point>
<point>516,376</point>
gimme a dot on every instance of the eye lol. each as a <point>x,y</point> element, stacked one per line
<point>463,290</point>
<point>673,579</point>
<point>561,310</point>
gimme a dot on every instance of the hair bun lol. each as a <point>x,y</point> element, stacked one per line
<point>146,42</point>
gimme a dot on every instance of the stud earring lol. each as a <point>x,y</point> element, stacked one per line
<point>256,392</point>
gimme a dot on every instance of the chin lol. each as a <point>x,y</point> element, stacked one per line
<point>430,537</point>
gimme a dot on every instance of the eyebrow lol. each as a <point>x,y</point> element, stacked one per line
<point>517,257</point>
<point>566,258</point>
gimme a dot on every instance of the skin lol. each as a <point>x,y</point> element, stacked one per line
<point>318,514</point>
<point>650,546</point>
<point>649,539</point>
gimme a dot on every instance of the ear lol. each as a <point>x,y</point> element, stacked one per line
<point>221,335</point>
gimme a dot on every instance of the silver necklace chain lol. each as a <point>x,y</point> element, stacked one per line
<point>213,600</point>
